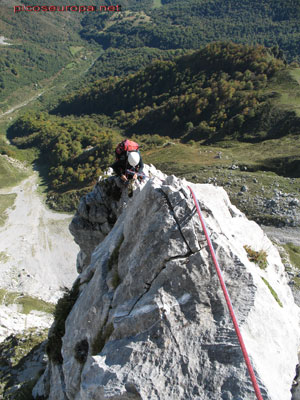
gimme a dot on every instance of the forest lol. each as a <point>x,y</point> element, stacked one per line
<point>219,92</point>
<point>76,150</point>
<point>139,35</point>
<point>39,46</point>
<point>189,24</point>
<point>145,32</point>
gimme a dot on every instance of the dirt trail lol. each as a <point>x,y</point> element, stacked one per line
<point>21,105</point>
<point>37,252</point>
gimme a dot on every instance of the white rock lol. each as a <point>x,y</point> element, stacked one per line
<point>162,329</point>
<point>13,322</point>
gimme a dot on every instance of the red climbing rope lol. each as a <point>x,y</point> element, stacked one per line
<point>228,301</point>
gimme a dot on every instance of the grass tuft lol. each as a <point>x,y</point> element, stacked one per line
<point>274,294</point>
<point>4,257</point>
<point>294,254</point>
<point>258,257</point>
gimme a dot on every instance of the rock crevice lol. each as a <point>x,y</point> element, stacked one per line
<point>151,311</point>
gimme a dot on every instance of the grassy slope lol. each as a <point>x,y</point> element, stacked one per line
<point>42,46</point>
<point>201,164</point>
<point>19,353</point>
<point>252,155</point>
<point>185,160</point>
<point>10,175</point>
<point>27,303</point>
<point>6,201</point>
<point>290,253</point>
<point>294,254</point>
<point>287,85</point>
<point>255,156</point>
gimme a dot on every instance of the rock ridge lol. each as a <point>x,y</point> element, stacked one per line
<point>150,321</point>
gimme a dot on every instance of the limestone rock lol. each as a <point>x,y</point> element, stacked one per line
<point>151,321</point>
<point>96,215</point>
<point>13,322</point>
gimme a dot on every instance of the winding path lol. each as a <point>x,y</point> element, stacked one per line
<point>21,105</point>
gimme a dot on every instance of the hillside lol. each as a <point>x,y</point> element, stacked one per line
<point>213,93</point>
<point>38,46</point>
<point>219,94</point>
<point>122,43</point>
<point>152,28</point>
<point>75,150</point>
<point>189,24</point>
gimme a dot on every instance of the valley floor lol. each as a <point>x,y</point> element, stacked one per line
<point>37,252</point>
<point>283,235</point>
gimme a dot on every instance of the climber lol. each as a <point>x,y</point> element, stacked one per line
<point>129,163</point>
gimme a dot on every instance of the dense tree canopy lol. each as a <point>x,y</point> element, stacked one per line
<point>39,45</point>
<point>221,91</point>
<point>212,93</point>
<point>189,24</point>
<point>76,149</point>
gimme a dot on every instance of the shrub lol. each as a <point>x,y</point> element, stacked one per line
<point>258,257</point>
<point>61,312</point>
<point>81,351</point>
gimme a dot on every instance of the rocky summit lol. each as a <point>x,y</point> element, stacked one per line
<point>148,319</point>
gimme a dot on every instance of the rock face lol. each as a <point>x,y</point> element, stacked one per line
<point>95,217</point>
<point>23,359</point>
<point>151,321</point>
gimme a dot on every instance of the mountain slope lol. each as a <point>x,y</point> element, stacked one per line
<point>149,30</point>
<point>240,98</point>
<point>142,29</point>
<point>215,92</point>
<point>193,23</point>
<point>40,45</point>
